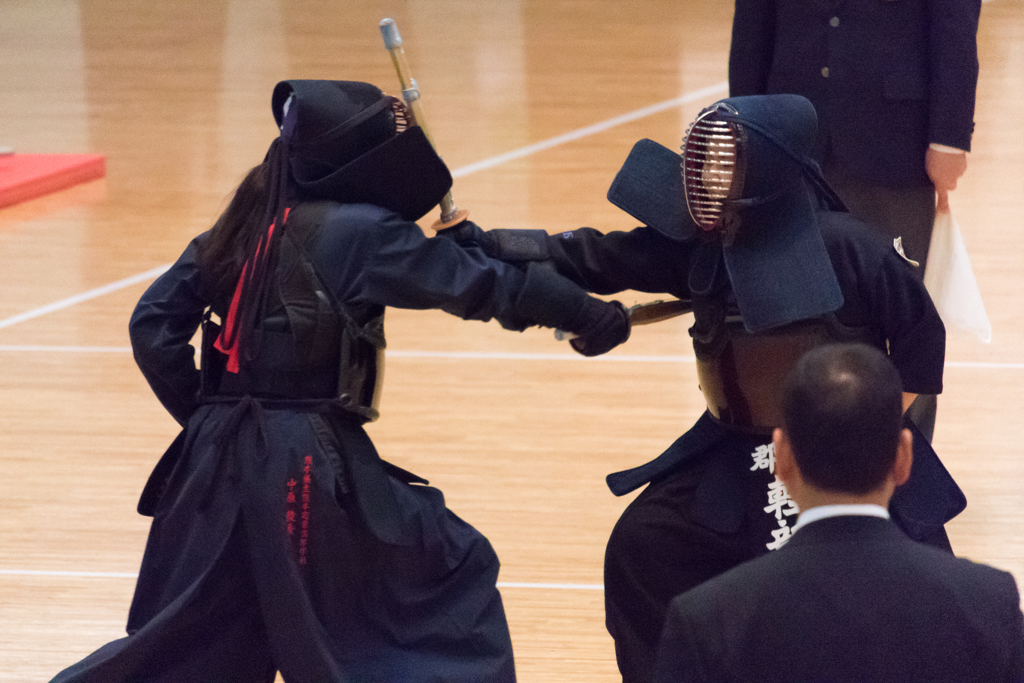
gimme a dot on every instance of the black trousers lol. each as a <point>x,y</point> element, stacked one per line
<point>259,561</point>
<point>656,551</point>
<point>908,213</point>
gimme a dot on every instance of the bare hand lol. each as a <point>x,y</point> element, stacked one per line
<point>944,169</point>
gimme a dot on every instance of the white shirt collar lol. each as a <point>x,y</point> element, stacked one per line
<point>824,511</point>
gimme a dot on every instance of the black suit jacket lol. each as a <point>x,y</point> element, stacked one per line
<point>900,75</point>
<point>847,599</point>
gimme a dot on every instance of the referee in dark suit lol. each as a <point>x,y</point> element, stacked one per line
<point>893,82</point>
<point>849,598</point>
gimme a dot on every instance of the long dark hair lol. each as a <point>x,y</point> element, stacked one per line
<point>241,253</point>
<point>234,236</point>
<point>262,196</point>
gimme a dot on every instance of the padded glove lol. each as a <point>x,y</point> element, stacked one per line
<point>468,234</point>
<point>600,327</point>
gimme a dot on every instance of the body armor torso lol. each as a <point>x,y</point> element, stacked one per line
<point>742,382</point>
<point>310,347</point>
<point>741,373</point>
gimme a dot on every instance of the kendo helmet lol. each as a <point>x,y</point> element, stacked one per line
<point>745,181</point>
<point>711,171</point>
<point>349,142</point>
<point>341,141</point>
<point>744,152</point>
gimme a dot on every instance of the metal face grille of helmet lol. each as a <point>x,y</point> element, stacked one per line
<point>710,167</point>
<point>402,115</point>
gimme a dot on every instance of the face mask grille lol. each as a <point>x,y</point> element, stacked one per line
<point>709,168</point>
<point>402,115</point>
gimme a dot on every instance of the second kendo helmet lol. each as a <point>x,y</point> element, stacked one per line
<point>347,141</point>
<point>745,181</point>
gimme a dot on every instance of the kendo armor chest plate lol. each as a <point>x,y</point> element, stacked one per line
<point>311,348</point>
<point>742,382</point>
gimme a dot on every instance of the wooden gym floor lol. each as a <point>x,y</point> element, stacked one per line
<point>534,105</point>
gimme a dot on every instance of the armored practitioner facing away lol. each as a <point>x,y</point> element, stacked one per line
<point>772,266</point>
<point>280,540</point>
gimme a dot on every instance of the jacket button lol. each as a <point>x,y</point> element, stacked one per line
<point>824,72</point>
<point>833,22</point>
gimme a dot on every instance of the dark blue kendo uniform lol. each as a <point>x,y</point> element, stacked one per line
<point>744,229</point>
<point>704,510</point>
<point>708,505</point>
<point>280,540</point>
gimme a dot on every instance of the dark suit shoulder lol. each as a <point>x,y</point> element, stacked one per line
<point>861,547</point>
<point>960,573</point>
<point>913,612</point>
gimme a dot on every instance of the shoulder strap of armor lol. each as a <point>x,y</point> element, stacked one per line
<point>323,326</point>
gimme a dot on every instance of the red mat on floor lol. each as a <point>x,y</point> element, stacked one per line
<point>26,176</point>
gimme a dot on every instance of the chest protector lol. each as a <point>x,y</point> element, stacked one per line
<point>742,383</point>
<point>309,347</point>
<point>741,373</point>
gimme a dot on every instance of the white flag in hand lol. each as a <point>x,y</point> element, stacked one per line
<point>950,280</point>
